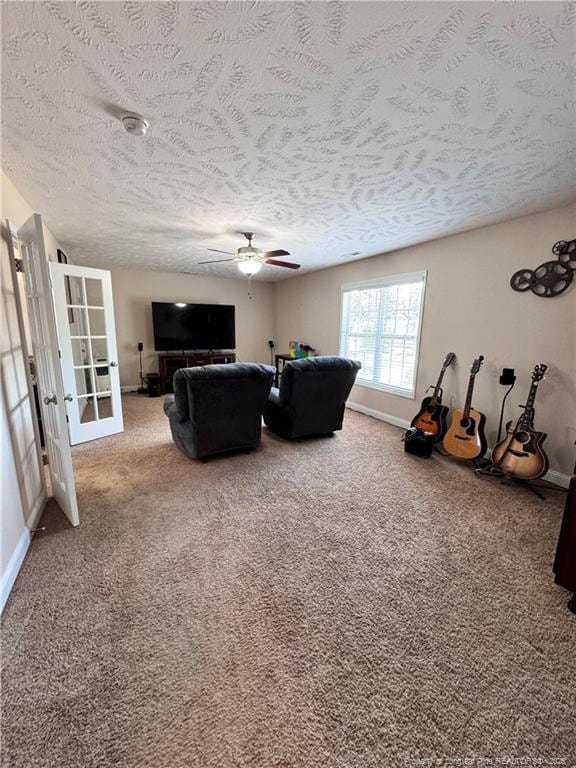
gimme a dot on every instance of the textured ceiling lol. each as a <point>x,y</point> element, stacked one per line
<point>328,128</point>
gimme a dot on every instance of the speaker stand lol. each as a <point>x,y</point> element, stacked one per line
<point>142,390</point>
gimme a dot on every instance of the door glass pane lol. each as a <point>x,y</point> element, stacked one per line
<point>87,409</point>
<point>77,318</point>
<point>105,409</point>
<point>94,295</point>
<point>74,290</point>
<point>102,378</point>
<point>97,322</point>
<point>84,381</point>
<point>80,351</point>
<point>100,350</point>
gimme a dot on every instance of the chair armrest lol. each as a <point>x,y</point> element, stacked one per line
<point>274,396</point>
<point>172,410</point>
<point>169,404</point>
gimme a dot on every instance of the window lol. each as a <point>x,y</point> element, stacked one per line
<point>380,327</point>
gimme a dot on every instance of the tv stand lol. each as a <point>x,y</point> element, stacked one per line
<point>169,363</point>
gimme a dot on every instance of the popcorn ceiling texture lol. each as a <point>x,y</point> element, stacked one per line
<point>333,603</point>
<point>327,128</point>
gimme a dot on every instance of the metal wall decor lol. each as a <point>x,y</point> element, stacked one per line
<point>551,278</point>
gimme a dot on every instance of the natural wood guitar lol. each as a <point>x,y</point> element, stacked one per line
<point>520,453</point>
<point>432,416</point>
<point>465,437</point>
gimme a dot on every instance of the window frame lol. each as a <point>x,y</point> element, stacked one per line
<point>383,282</point>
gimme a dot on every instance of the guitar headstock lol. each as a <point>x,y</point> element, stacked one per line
<point>476,365</point>
<point>538,372</point>
<point>450,357</point>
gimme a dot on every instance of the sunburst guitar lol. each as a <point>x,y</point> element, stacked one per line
<point>432,416</point>
<point>520,454</point>
<point>465,437</point>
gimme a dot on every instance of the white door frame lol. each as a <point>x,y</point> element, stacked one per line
<point>47,363</point>
<point>108,387</point>
<point>13,254</point>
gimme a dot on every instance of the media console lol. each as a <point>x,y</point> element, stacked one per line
<point>168,364</point>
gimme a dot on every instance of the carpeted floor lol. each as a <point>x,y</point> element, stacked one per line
<point>325,604</point>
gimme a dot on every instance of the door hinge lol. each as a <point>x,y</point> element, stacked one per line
<point>19,264</point>
<point>45,461</point>
<point>67,420</point>
<point>60,354</point>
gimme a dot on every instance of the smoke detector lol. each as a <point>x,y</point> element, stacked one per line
<point>135,124</point>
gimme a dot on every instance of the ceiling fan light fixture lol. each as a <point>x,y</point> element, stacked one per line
<point>248,251</point>
<point>249,267</point>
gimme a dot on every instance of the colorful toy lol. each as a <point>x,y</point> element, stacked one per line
<point>298,350</point>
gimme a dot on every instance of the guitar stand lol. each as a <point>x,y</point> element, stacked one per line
<point>533,488</point>
<point>494,471</point>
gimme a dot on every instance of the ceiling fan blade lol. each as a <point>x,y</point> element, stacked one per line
<point>215,261</point>
<point>215,250</point>
<point>273,254</point>
<point>281,264</point>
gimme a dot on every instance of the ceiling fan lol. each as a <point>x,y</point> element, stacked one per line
<point>250,259</point>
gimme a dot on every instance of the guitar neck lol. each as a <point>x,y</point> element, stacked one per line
<point>469,395</point>
<point>526,418</point>
<point>436,395</point>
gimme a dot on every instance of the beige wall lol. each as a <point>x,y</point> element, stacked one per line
<point>22,483</point>
<point>469,309</point>
<point>134,292</point>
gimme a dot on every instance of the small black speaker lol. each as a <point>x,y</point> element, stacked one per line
<point>140,347</point>
<point>418,443</point>
<point>153,380</point>
<point>271,343</point>
<point>507,376</point>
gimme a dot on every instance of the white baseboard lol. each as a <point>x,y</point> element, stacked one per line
<point>395,420</point>
<point>552,476</point>
<point>13,567</point>
<point>557,478</point>
<point>130,388</point>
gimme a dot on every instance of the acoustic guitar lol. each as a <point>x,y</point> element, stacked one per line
<point>432,416</point>
<point>465,437</point>
<point>520,453</point>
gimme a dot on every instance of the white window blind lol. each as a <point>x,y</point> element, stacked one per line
<point>380,327</point>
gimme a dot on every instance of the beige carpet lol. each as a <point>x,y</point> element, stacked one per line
<point>326,604</point>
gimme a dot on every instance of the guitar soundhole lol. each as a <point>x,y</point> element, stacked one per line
<point>522,437</point>
<point>465,423</point>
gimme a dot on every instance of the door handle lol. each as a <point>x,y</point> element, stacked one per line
<point>68,398</point>
<point>113,364</point>
<point>52,399</point>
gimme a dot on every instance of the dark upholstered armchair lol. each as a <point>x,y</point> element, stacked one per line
<point>312,396</point>
<point>218,408</point>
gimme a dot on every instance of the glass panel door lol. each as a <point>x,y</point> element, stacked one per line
<point>86,333</point>
<point>45,347</point>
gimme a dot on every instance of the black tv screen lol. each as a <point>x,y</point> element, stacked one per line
<point>185,327</point>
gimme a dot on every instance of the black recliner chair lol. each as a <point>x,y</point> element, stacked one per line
<point>312,396</point>
<point>218,408</point>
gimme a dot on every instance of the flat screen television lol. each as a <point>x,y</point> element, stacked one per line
<point>186,327</point>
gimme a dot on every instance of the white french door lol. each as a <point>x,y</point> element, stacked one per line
<point>46,359</point>
<point>87,338</point>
